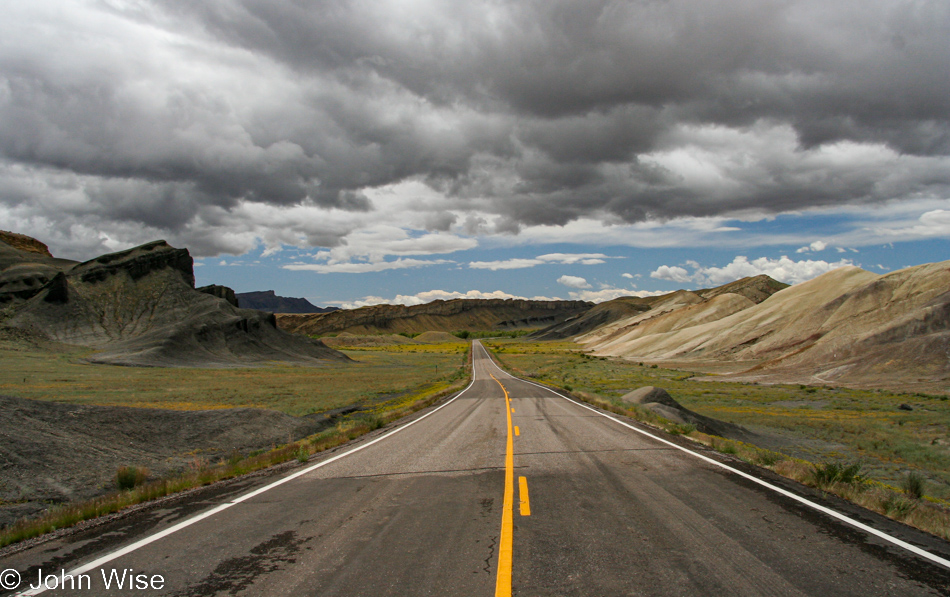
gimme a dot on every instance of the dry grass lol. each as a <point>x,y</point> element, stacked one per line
<point>815,423</point>
<point>295,390</point>
<point>877,456</point>
<point>389,385</point>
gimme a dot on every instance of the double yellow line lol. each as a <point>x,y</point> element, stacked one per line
<point>503,581</point>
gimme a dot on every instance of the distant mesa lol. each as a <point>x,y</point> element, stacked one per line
<point>140,307</point>
<point>267,300</point>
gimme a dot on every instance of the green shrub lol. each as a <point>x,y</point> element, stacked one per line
<point>766,457</point>
<point>836,472</point>
<point>684,429</point>
<point>128,477</point>
<point>897,506</point>
<point>913,485</point>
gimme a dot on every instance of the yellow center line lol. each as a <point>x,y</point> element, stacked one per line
<point>523,494</point>
<point>517,431</point>
<point>503,580</point>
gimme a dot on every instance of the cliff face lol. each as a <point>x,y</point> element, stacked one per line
<point>140,307</point>
<point>24,243</point>
<point>222,292</point>
<point>26,266</point>
<point>447,316</point>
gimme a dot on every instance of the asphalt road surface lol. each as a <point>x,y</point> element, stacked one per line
<point>506,489</point>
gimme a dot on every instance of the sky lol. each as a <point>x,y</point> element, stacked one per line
<point>360,152</point>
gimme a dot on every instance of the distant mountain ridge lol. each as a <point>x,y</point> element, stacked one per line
<point>440,316</point>
<point>267,300</point>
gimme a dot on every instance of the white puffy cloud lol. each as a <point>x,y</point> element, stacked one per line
<point>433,295</point>
<point>506,264</point>
<point>674,273</point>
<point>609,293</point>
<point>571,258</point>
<point>549,258</point>
<point>363,267</point>
<point>933,223</point>
<point>815,246</point>
<point>573,281</point>
<point>782,269</point>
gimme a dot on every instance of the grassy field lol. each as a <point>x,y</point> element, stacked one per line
<point>386,383</point>
<point>818,424</point>
<point>376,375</point>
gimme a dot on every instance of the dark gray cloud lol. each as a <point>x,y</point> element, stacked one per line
<point>175,114</point>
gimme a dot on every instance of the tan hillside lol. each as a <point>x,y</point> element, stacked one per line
<point>848,325</point>
<point>444,316</point>
<point>756,289</point>
<point>673,320</point>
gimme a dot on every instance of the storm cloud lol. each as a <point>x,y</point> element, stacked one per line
<point>228,123</point>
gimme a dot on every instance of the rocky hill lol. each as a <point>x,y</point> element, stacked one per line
<point>848,326</point>
<point>446,316</point>
<point>140,307</point>
<point>756,289</point>
<point>267,300</point>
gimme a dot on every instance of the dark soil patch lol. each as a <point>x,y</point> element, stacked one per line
<point>52,452</point>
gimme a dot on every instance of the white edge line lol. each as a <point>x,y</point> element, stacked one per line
<point>912,548</point>
<point>197,518</point>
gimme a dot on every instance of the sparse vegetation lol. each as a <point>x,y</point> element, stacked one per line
<point>823,424</point>
<point>389,384</point>
<point>914,485</point>
<point>130,477</point>
<point>681,429</point>
<point>376,374</point>
<point>495,333</point>
<point>829,473</point>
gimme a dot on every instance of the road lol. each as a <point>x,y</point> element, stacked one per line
<point>594,508</point>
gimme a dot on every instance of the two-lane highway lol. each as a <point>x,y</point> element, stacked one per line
<point>506,488</point>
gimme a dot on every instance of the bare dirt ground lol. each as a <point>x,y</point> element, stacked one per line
<point>53,452</point>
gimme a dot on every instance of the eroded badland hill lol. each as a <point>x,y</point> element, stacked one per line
<point>139,307</point>
<point>846,326</point>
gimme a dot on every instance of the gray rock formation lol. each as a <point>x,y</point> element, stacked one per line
<point>140,307</point>
<point>659,402</point>
<point>222,292</point>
